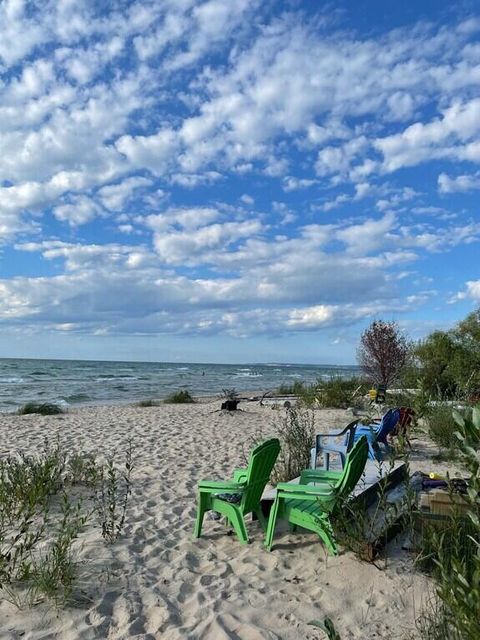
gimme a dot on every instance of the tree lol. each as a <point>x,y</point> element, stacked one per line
<point>449,362</point>
<point>438,355</point>
<point>384,352</point>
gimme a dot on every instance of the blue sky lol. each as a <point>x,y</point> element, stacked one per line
<point>238,181</point>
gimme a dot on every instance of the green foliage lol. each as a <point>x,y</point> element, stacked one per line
<point>179,397</point>
<point>146,403</point>
<point>327,626</point>
<point>44,409</point>
<point>111,496</point>
<point>53,574</point>
<point>296,432</point>
<point>297,388</point>
<point>456,551</point>
<point>441,426</point>
<point>449,362</point>
<point>38,531</point>
<point>340,393</point>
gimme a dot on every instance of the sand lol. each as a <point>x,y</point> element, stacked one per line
<point>156,581</point>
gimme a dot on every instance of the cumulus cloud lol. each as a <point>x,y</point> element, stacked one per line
<point>462,183</point>
<point>177,124</point>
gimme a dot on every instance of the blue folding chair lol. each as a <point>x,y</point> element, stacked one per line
<point>377,433</point>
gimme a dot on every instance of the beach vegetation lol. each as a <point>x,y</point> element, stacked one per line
<point>230,394</point>
<point>340,393</point>
<point>44,409</point>
<point>149,402</point>
<point>111,495</point>
<point>296,431</point>
<point>447,363</point>
<point>384,352</point>
<point>179,397</point>
<point>441,427</point>
<point>42,516</point>
<point>452,553</point>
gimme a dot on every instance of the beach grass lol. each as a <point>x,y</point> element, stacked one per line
<point>179,397</point>
<point>44,409</point>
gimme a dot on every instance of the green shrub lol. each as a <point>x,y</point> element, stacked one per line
<point>296,432</point>
<point>297,388</point>
<point>45,409</point>
<point>111,495</point>
<point>441,426</point>
<point>179,397</point>
<point>455,553</point>
<point>340,393</point>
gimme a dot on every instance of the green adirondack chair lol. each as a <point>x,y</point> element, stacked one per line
<point>246,489</point>
<point>310,506</point>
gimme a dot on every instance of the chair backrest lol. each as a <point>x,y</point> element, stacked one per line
<point>388,423</point>
<point>261,462</point>
<point>354,466</point>
<point>405,418</point>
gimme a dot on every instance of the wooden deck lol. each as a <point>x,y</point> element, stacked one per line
<point>367,488</point>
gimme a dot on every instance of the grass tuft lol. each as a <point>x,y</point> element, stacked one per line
<point>44,409</point>
<point>179,397</point>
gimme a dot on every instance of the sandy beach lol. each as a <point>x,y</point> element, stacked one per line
<point>156,581</point>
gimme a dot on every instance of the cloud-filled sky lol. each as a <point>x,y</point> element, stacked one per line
<point>258,180</point>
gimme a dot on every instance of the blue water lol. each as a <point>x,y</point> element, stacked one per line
<point>83,382</point>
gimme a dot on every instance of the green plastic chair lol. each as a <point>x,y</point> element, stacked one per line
<point>246,487</point>
<point>310,506</point>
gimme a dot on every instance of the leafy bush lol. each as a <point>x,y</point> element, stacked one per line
<point>455,553</point>
<point>296,432</point>
<point>442,426</point>
<point>179,397</point>
<point>111,496</point>
<point>45,409</point>
<point>37,535</point>
<point>340,392</point>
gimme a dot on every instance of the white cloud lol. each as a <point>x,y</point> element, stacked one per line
<point>472,292</point>
<point>450,136</point>
<point>463,183</point>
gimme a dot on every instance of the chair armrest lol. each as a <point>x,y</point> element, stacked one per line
<point>313,475</point>
<point>219,485</point>
<point>302,491</point>
<point>239,475</point>
<point>349,427</point>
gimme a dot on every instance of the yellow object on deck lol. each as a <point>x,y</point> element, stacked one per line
<point>373,394</point>
<point>436,476</point>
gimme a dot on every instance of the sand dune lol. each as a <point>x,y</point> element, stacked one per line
<point>157,582</point>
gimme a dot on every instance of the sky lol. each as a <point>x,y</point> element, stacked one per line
<point>247,181</point>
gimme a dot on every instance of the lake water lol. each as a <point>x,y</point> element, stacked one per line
<point>77,382</point>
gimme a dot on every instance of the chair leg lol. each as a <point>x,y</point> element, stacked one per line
<point>238,523</point>
<point>326,458</point>
<point>202,507</point>
<point>272,521</point>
